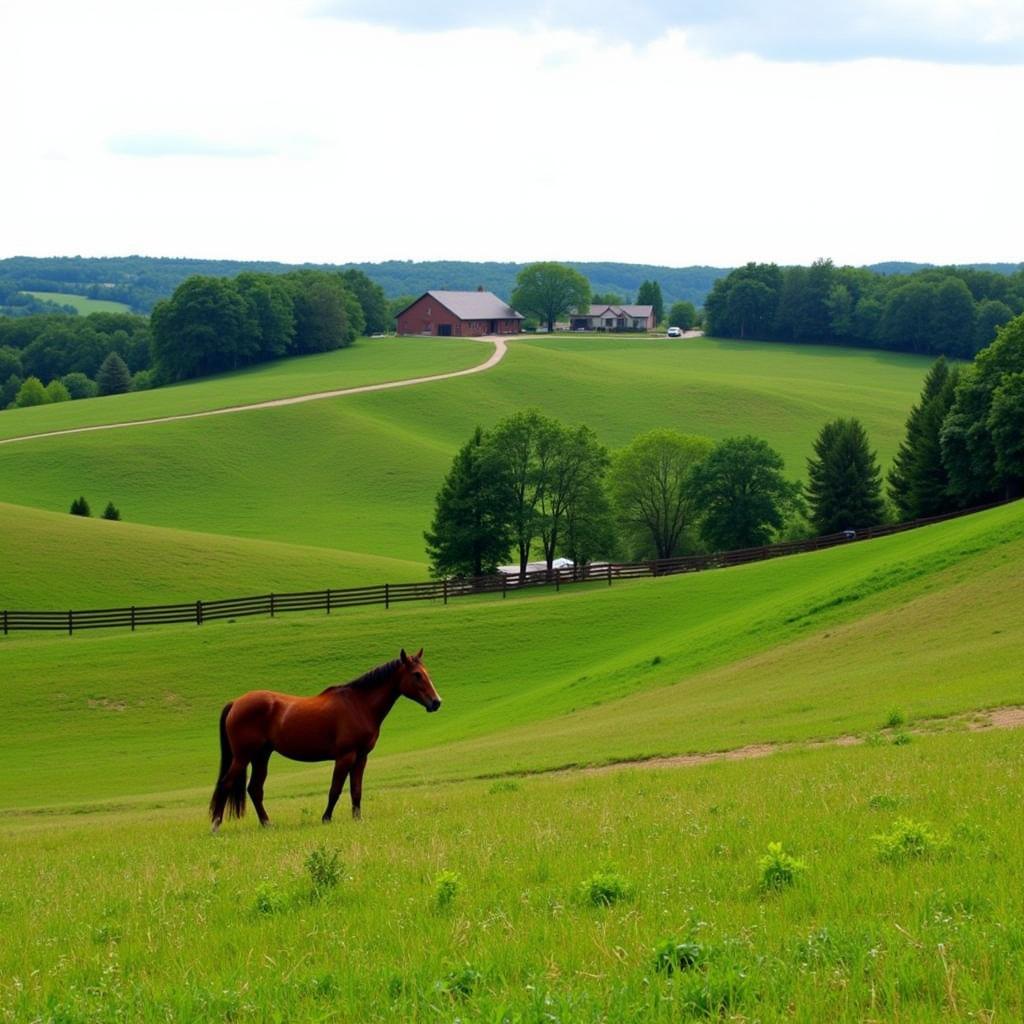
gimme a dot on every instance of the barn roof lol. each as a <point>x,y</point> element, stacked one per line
<point>472,305</point>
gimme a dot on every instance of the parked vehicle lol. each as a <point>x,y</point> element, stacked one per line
<point>675,332</point>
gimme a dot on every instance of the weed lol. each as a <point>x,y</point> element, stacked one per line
<point>883,802</point>
<point>446,887</point>
<point>874,739</point>
<point>269,899</point>
<point>324,869</point>
<point>656,660</point>
<point>324,986</point>
<point>901,739</point>
<point>778,868</point>
<point>671,956</point>
<point>460,982</point>
<point>895,720</point>
<point>711,996</point>
<point>603,888</point>
<point>503,786</point>
<point>906,840</point>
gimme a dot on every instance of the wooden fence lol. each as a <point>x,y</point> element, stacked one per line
<point>387,594</point>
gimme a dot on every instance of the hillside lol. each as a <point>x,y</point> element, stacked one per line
<point>810,646</point>
<point>368,466</point>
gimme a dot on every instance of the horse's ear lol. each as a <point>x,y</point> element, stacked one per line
<point>404,657</point>
<point>420,655</point>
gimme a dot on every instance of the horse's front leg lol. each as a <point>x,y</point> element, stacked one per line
<point>341,768</point>
<point>356,785</point>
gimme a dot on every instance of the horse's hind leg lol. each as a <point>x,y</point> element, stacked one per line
<point>259,776</point>
<point>341,770</point>
<point>355,785</point>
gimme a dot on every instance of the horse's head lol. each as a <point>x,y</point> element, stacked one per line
<point>414,681</point>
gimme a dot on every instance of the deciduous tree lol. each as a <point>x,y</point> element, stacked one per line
<point>550,290</point>
<point>31,393</point>
<point>683,315</point>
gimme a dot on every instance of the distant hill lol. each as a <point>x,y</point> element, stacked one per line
<point>898,267</point>
<point>141,281</point>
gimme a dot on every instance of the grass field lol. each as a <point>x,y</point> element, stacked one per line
<point>360,473</point>
<point>82,304</point>
<point>368,361</point>
<point>478,890</point>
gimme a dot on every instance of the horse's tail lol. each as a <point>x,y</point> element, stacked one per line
<point>234,798</point>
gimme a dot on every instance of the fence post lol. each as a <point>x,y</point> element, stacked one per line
<point>271,605</point>
<point>71,622</point>
<point>328,600</point>
<point>5,622</point>
<point>387,596</point>
<point>558,580</point>
<point>133,618</point>
<point>504,586</point>
<point>444,584</point>
<point>199,613</point>
<point>609,574</point>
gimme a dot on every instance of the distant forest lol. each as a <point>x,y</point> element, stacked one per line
<point>141,281</point>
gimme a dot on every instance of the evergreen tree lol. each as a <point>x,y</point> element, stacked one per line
<point>111,512</point>
<point>903,463</point>
<point>80,507</point>
<point>650,295</point>
<point>114,377</point>
<point>928,490</point>
<point>470,534</point>
<point>844,487</point>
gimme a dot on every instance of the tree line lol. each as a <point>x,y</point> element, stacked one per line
<point>533,485</point>
<point>947,311</point>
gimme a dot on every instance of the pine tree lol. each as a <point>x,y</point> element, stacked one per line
<point>111,512</point>
<point>470,534</point>
<point>650,295</point>
<point>844,488</point>
<point>80,507</point>
<point>928,492</point>
<point>903,464</point>
<point>114,377</point>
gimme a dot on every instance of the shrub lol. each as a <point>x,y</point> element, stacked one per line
<point>111,512</point>
<point>80,507</point>
<point>269,899</point>
<point>142,381</point>
<point>778,869</point>
<point>906,840</point>
<point>31,393</point>
<point>603,888</point>
<point>895,720</point>
<point>79,385</point>
<point>57,392</point>
<point>324,869</point>
<point>671,956</point>
<point>446,887</point>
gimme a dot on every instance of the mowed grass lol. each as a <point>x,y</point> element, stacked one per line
<point>813,646</point>
<point>367,361</point>
<point>545,900</point>
<point>59,561</point>
<point>360,473</point>
<point>84,305</point>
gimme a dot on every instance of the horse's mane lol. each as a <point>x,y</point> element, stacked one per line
<point>367,680</point>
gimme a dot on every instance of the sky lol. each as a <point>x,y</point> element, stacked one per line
<point>671,132</point>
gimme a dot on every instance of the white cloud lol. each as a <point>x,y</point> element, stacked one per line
<point>296,138</point>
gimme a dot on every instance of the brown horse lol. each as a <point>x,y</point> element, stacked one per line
<point>341,724</point>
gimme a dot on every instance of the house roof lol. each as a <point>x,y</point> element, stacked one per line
<point>472,305</point>
<point>631,311</point>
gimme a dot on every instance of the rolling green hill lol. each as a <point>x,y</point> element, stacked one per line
<point>360,473</point>
<point>809,646</point>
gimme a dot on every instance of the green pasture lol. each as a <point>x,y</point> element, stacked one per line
<point>67,561</point>
<point>82,304</point>
<point>368,361</point>
<point>811,646</point>
<point>360,473</point>
<point>545,900</point>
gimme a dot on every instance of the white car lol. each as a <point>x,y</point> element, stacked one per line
<point>675,332</point>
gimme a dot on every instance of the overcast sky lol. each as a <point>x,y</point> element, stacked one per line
<point>656,131</point>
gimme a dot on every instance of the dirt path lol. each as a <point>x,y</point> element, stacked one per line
<point>972,721</point>
<point>500,348</point>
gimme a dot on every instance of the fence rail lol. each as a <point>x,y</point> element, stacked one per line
<point>387,594</point>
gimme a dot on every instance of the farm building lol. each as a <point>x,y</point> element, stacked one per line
<point>459,314</point>
<point>615,318</point>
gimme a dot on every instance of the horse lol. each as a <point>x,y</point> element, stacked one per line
<point>340,724</point>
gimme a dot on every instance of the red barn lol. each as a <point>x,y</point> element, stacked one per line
<point>459,314</point>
